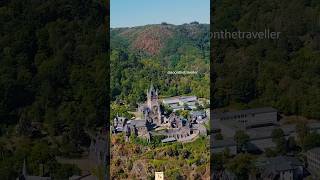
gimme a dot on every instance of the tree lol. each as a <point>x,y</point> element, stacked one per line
<point>24,126</point>
<point>183,113</point>
<point>241,139</point>
<point>120,110</point>
<point>277,134</point>
<point>65,171</point>
<point>198,106</point>
<point>167,109</point>
<point>270,152</point>
<point>217,162</point>
<point>279,139</point>
<point>312,140</point>
<point>53,59</point>
<point>206,104</point>
<point>302,131</point>
<point>277,74</point>
<point>292,144</point>
<point>241,165</point>
<point>218,136</point>
<point>42,155</point>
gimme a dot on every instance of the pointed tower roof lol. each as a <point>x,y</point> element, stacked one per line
<point>151,87</point>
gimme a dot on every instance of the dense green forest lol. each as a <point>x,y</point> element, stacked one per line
<point>53,58</point>
<point>143,55</point>
<point>283,73</point>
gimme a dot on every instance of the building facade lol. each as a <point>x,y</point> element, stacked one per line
<point>153,111</point>
<point>280,167</point>
<point>313,160</point>
<point>249,118</point>
<point>181,102</point>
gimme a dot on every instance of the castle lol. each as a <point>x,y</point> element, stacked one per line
<point>172,126</point>
<point>152,111</point>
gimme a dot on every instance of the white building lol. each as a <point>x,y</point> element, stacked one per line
<point>180,102</point>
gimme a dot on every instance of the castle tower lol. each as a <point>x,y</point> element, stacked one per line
<point>152,97</point>
<point>154,105</point>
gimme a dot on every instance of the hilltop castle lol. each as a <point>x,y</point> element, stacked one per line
<point>171,125</point>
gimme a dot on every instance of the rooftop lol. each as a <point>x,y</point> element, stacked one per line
<point>171,139</point>
<point>279,163</point>
<point>138,123</point>
<point>247,111</point>
<point>198,113</point>
<point>177,99</point>
<point>314,150</point>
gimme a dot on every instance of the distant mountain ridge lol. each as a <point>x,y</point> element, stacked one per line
<point>144,54</point>
<point>152,39</point>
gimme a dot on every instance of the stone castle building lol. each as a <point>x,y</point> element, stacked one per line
<point>152,111</point>
<point>175,126</point>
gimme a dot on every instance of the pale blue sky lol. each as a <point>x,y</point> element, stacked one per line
<point>129,13</point>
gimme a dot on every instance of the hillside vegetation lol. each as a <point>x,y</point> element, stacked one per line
<point>141,55</point>
<point>283,73</point>
<point>177,161</point>
<point>53,58</point>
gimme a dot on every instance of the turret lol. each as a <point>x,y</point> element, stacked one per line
<point>152,97</point>
<point>151,88</point>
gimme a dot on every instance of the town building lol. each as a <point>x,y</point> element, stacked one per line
<point>246,119</point>
<point>280,167</point>
<point>313,161</point>
<point>257,123</point>
<point>119,123</point>
<point>252,121</point>
<point>198,116</point>
<point>181,102</point>
<point>175,121</point>
<point>137,128</point>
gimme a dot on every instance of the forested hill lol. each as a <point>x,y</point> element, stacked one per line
<point>53,59</point>
<point>144,54</point>
<point>283,73</point>
<point>161,38</point>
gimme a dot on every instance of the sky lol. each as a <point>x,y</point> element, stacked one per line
<point>129,13</point>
